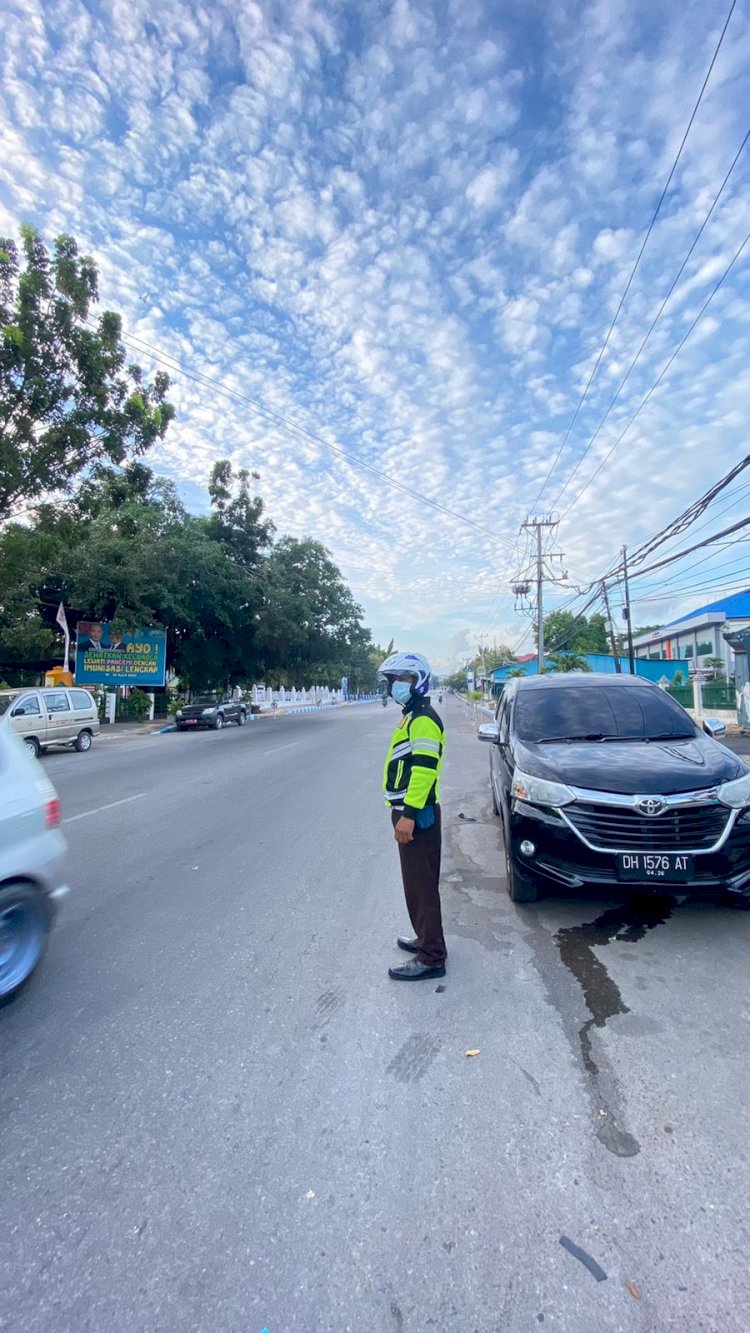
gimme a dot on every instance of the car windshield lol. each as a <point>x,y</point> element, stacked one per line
<point>5,702</point>
<point>206,700</point>
<point>572,713</point>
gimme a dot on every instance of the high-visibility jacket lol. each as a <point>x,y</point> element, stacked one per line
<point>411,779</point>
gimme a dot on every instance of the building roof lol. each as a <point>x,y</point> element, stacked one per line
<point>736,607</point>
<point>525,657</point>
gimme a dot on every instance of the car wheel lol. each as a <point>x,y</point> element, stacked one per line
<point>24,927</point>
<point>32,744</point>
<point>82,742</point>
<point>219,723</point>
<point>242,719</point>
<point>180,726</point>
<point>521,887</point>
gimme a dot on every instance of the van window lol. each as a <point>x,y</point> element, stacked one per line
<point>30,705</point>
<point>57,702</point>
<point>81,699</point>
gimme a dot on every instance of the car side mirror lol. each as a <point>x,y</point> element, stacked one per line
<point>19,712</point>
<point>488,732</point>
<point>713,726</point>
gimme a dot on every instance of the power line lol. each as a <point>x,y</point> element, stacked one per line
<point>171,363</point>
<point>644,243</point>
<point>686,519</point>
<point>656,318</point>
<point>705,588</point>
<point>658,381</point>
<point>680,555</point>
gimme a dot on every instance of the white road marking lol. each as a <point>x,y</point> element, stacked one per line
<point>100,808</point>
<point>276,748</point>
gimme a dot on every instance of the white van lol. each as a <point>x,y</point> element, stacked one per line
<point>55,715</point>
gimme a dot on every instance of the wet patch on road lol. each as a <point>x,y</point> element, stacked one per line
<point>627,923</point>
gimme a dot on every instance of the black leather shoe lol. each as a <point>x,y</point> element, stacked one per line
<point>415,971</point>
<point>409,945</point>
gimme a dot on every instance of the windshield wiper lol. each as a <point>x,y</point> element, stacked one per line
<point>566,740</point>
<point>671,736</point>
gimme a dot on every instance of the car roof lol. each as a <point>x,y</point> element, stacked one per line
<point>588,679</point>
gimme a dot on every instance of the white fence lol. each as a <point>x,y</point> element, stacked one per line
<point>317,695</point>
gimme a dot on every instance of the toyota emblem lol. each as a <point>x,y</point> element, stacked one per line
<point>650,805</point>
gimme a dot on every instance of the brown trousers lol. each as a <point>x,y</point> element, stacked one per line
<point>420,872</point>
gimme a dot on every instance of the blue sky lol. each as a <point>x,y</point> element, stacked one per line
<point>406,227</point>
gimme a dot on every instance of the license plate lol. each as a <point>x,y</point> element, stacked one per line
<point>667,867</point>
<point>191,722</point>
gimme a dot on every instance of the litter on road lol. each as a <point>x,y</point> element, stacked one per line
<point>584,1258</point>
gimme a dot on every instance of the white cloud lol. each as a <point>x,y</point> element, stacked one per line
<point>391,236</point>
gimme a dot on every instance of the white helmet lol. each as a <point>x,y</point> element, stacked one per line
<point>413,663</point>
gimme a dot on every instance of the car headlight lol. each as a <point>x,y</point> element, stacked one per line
<point>208,710</point>
<point>735,794</point>
<point>178,713</point>
<point>538,791</point>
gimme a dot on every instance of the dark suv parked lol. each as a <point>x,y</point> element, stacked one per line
<point>211,710</point>
<point>606,781</point>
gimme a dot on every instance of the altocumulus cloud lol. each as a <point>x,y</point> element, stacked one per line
<point>405,227</point>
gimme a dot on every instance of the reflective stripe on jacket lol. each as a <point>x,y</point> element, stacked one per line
<point>411,779</point>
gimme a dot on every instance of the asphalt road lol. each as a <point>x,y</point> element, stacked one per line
<point>220,1116</point>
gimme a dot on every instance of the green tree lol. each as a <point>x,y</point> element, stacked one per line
<point>567,662</point>
<point>456,681</point>
<point>717,663</point>
<point>68,399</point>
<point>310,619</point>
<point>576,634</point>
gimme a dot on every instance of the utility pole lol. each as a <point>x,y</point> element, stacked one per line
<point>626,610</point>
<point>610,622</point>
<point>538,525</point>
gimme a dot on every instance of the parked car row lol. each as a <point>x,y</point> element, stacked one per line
<point>606,782</point>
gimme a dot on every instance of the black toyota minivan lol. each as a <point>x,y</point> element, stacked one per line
<point>605,781</point>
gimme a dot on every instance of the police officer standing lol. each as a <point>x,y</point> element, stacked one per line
<point>411,783</point>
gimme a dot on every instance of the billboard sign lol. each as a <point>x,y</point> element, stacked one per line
<point>470,679</point>
<point>105,657</point>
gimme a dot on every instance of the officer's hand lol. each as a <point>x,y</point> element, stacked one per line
<point>404,830</point>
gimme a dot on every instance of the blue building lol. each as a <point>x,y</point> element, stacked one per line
<point>602,662</point>
<point>699,634</point>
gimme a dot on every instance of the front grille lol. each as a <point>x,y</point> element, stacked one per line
<point>690,828</point>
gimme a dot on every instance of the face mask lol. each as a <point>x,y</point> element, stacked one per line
<point>401,692</point>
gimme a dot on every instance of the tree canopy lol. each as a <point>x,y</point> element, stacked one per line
<point>564,631</point>
<point>100,532</point>
<point>68,396</point>
<point>236,605</point>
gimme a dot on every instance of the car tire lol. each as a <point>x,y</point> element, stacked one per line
<point>25,921</point>
<point>83,742</point>
<point>32,744</point>
<point>180,726</point>
<point>219,722</point>
<point>242,719</point>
